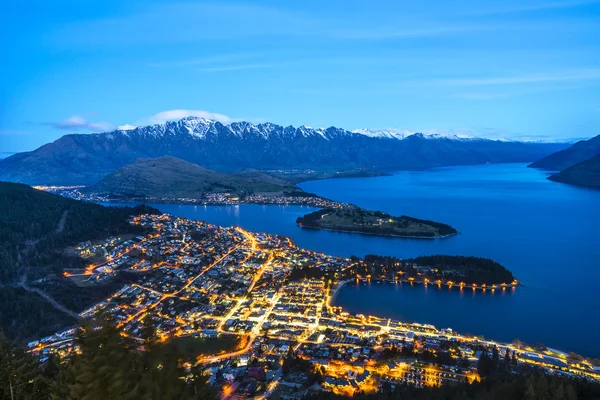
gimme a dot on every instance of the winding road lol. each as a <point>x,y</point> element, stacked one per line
<point>23,281</point>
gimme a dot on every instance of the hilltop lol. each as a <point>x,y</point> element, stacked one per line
<point>173,177</point>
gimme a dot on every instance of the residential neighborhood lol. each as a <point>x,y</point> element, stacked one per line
<point>263,308</point>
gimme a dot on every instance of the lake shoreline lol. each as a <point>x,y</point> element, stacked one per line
<point>508,213</point>
<point>482,287</point>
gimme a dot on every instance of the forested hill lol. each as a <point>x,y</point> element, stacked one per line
<point>469,269</point>
<point>577,153</point>
<point>585,173</point>
<point>34,223</point>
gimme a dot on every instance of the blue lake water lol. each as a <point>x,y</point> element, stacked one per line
<point>545,232</point>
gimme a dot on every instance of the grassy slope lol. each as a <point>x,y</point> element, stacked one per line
<point>173,177</point>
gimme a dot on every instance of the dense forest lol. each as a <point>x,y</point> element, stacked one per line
<point>34,224</point>
<point>25,315</point>
<point>108,366</point>
<point>35,227</point>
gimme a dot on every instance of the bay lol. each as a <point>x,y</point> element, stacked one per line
<point>545,232</point>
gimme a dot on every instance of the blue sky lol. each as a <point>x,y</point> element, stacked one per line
<point>514,69</point>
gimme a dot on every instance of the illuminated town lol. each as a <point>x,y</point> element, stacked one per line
<point>212,199</point>
<point>271,302</point>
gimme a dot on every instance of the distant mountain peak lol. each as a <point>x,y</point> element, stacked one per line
<point>404,134</point>
<point>202,128</point>
<point>384,134</point>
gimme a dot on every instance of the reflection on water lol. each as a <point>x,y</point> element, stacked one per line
<point>544,232</point>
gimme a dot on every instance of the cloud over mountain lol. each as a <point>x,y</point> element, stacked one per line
<point>76,122</point>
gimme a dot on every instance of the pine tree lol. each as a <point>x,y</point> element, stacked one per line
<point>571,394</point>
<point>485,365</point>
<point>20,376</point>
<point>559,392</point>
<point>541,388</point>
<point>530,391</point>
<point>506,362</point>
<point>495,358</point>
<point>110,366</point>
<point>104,369</point>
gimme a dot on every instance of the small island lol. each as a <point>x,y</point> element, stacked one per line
<point>358,220</point>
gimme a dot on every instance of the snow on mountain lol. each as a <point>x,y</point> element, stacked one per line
<point>383,133</point>
<point>403,134</point>
<point>202,128</point>
<point>86,158</point>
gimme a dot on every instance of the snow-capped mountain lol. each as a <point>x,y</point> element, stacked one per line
<point>383,134</point>
<point>86,158</point>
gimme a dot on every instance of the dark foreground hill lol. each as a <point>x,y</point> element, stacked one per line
<point>173,177</point>
<point>586,173</point>
<point>85,159</point>
<point>577,153</point>
<point>34,227</point>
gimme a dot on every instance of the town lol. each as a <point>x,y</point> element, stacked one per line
<point>263,313</point>
<point>210,199</point>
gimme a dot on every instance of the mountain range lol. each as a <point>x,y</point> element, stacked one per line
<point>171,177</point>
<point>87,158</point>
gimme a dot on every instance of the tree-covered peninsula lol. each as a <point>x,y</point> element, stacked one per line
<point>358,220</point>
<point>446,270</point>
<point>439,268</point>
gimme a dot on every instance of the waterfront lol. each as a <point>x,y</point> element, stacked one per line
<point>243,290</point>
<point>542,231</point>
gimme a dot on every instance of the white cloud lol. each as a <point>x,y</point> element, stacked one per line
<point>177,114</point>
<point>126,127</point>
<point>75,122</point>
<point>174,115</point>
<point>562,76</point>
<point>189,22</point>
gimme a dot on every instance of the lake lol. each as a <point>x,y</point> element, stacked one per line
<point>544,232</point>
